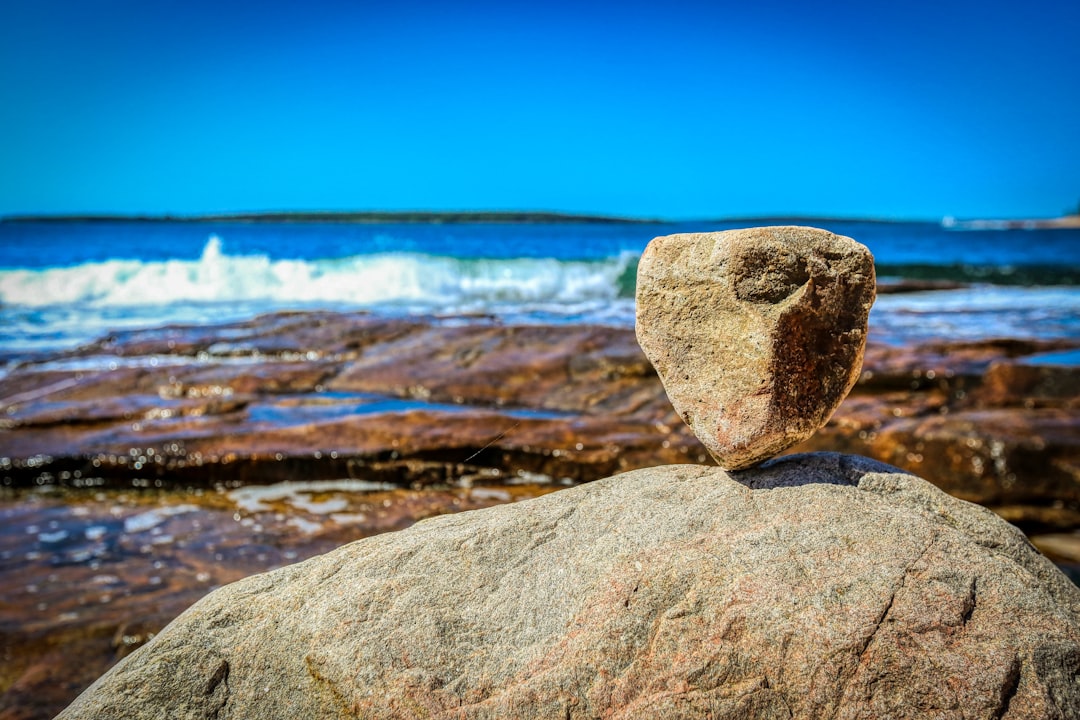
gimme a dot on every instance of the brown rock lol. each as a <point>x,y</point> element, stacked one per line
<point>1023,464</point>
<point>1059,545</point>
<point>951,366</point>
<point>587,369</point>
<point>992,457</point>
<point>410,402</point>
<point>815,586</point>
<point>984,421</point>
<point>1029,384</point>
<point>757,334</point>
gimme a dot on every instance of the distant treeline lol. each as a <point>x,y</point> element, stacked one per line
<point>434,216</point>
<point>344,217</point>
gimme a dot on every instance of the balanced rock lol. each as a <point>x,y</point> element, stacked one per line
<point>814,586</point>
<point>757,335</point>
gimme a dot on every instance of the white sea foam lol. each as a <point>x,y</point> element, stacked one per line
<point>486,493</point>
<point>359,280</point>
<point>256,498</point>
<point>45,309</point>
<point>348,518</point>
<point>152,518</point>
<point>308,527</point>
<point>978,312</point>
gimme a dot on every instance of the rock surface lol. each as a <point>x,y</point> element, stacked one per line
<point>313,398</point>
<point>814,586</point>
<point>325,395</point>
<point>960,416</point>
<point>757,334</point>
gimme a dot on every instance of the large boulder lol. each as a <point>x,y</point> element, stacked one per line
<point>757,334</point>
<point>815,586</point>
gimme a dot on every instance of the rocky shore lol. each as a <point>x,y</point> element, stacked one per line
<point>146,469</point>
<point>820,585</point>
<point>450,401</point>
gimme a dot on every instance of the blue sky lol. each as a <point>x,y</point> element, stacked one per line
<point>673,110</point>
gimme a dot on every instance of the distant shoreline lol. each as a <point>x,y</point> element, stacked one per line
<point>524,217</point>
<point>433,216</point>
<point>345,216</point>
<point>1065,221</point>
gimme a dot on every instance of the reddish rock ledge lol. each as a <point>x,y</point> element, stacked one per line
<point>141,471</point>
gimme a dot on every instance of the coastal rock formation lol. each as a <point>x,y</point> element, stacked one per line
<point>314,396</point>
<point>813,586</point>
<point>991,422</point>
<point>319,397</point>
<point>757,334</point>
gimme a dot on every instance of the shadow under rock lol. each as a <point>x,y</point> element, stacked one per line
<point>827,468</point>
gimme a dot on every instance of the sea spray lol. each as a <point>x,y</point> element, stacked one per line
<point>395,278</point>
<point>52,307</point>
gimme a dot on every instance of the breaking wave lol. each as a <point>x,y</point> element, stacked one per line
<point>410,280</point>
<point>44,309</point>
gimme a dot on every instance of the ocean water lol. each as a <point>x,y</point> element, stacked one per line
<point>67,283</point>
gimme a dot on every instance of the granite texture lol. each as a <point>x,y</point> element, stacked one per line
<point>757,334</point>
<point>815,586</point>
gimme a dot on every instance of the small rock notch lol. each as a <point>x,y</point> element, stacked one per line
<point>757,334</point>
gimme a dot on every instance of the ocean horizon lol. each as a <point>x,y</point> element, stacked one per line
<point>63,284</point>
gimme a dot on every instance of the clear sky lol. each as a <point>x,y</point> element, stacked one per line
<point>666,109</point>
